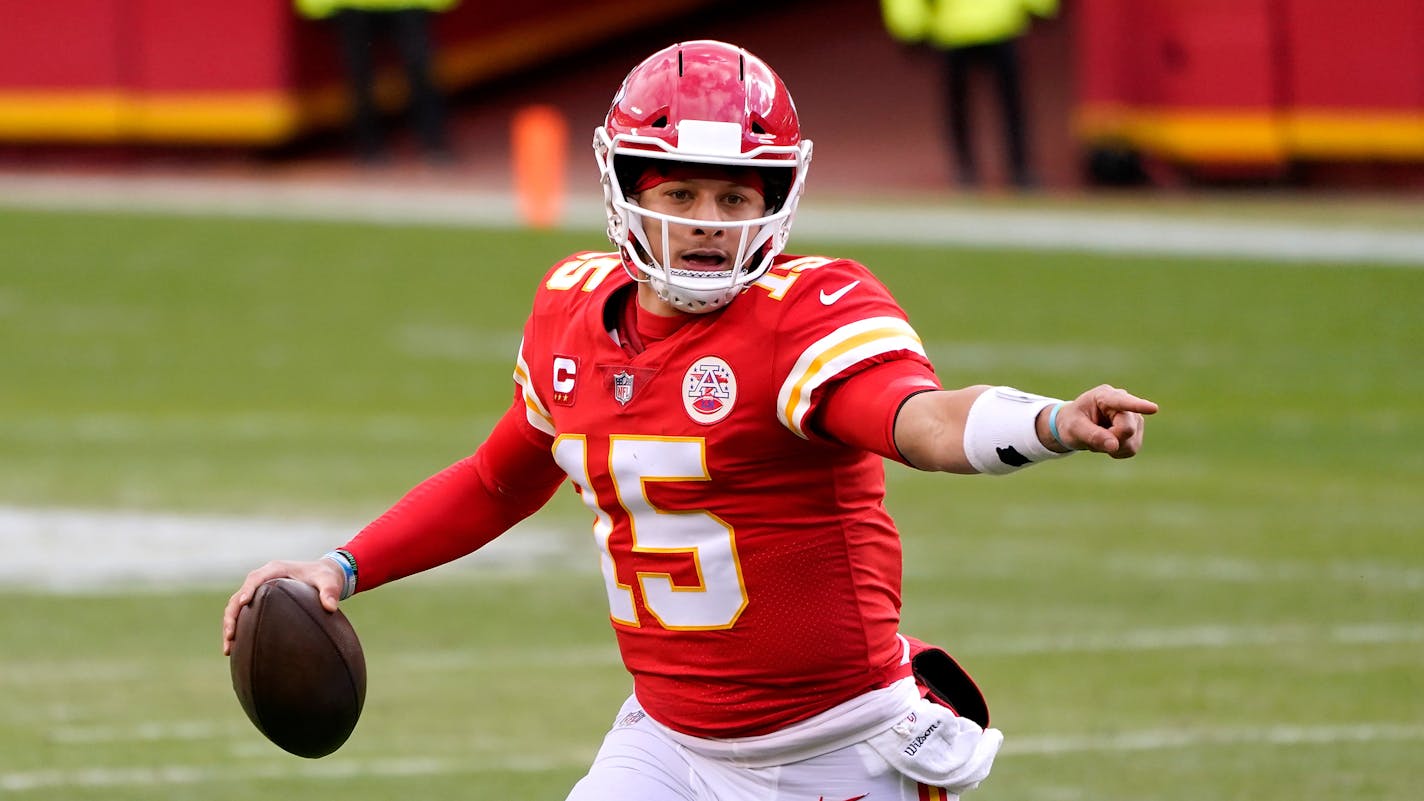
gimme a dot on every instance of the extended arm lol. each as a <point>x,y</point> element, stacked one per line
<point>450,514</point>
<point>990,429</point>
<point>897,409</point>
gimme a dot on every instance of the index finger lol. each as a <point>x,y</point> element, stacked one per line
<point>1123,401</point>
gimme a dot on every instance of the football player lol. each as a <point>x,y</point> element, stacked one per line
<point>723,409</point>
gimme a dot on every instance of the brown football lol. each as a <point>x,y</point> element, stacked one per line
<point>298,670</point>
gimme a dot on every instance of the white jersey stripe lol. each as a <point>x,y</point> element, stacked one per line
<point>832,355</point>
<point>534,410</point>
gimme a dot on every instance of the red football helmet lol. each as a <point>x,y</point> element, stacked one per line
<point>702,102</point>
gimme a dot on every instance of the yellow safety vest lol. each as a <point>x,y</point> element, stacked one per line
<point>316,9</point>
<point>960,23</point>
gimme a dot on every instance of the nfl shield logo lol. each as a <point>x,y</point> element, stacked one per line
<point>623,387</point>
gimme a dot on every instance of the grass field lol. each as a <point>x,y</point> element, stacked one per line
<point>1237,614</point>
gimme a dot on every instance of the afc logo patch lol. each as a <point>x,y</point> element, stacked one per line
<point>709,390</point>
<point>565,379</point>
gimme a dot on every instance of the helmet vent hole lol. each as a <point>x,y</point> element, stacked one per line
<point>757,128</point>
<point>660,122</point>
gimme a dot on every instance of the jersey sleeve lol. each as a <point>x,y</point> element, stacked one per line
<point>860,411</point>
<point>536,411</point>
<point>536,408</point>
<point>586,274</point>
<point>837,321</point>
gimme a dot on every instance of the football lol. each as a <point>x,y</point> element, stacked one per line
<point>298,670</point>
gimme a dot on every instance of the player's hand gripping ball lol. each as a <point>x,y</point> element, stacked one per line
<point>297,669</point>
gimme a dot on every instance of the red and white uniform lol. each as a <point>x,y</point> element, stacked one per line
<point>732,462</point>
<point>753,573</point>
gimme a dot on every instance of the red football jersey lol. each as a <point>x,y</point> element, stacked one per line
<point>753,573</point>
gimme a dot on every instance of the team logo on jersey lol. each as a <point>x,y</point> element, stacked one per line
<point>565,379</point>
<point>709,389</point>
<point>623,387</point>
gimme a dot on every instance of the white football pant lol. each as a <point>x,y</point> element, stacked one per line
<point>639,762</point>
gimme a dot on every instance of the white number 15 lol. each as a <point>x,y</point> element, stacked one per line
<point>659,537</point>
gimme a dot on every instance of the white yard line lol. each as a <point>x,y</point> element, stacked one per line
<point>1226,570</point>
<point>1196,637</point>
<point>19,674</point>
<point>50,548</point>
<point>1107,642</point>
<point>55,549</point>
<point>1117,233</point>
<point>148,731</point>
<point>1014,746</point>
<point>1161,739</point>
<point>393,203</point>
<point>334,768</point>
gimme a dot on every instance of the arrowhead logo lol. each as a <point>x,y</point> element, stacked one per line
<point>832,297</point>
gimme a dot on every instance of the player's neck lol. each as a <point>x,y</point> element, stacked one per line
<point>650,303</point>
<point>639,326</point>
<point>653,326</point>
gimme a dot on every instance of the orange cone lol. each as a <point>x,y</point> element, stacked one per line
<point>538,145</point>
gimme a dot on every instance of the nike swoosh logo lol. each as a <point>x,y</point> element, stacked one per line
<point>828,299</point>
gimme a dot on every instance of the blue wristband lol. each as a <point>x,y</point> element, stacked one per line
<point>1053,425</point>
<point>347,563</point>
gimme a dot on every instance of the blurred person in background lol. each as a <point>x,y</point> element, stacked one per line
<point>724,409</point>
<point>362,24</point>
<point>975,35</point>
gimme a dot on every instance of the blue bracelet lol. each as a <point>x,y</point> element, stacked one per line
<point>1053,425</point>
<point>347,563</point>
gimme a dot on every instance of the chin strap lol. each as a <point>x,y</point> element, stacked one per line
<point>693,304</point>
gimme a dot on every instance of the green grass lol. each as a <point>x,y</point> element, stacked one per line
<point>1234,615</point>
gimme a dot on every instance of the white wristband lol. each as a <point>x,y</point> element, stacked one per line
<point>1001,432</point>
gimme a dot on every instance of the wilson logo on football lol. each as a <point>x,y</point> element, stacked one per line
<point>709,390</point>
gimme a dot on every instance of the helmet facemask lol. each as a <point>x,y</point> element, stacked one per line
<point>756,241</point>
